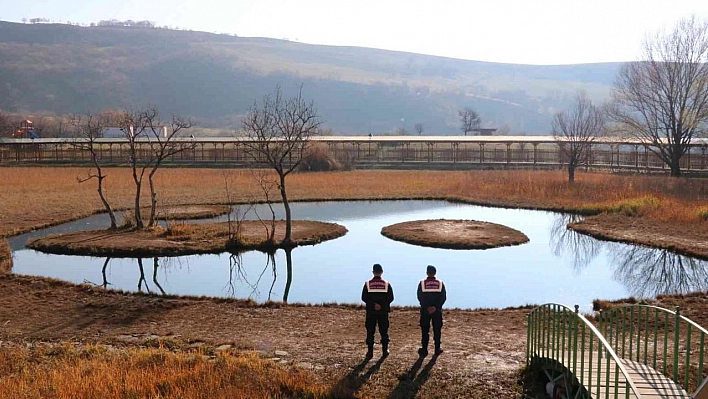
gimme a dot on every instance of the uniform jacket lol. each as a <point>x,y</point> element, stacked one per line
<point>431,292</point>
<point>377,290</point>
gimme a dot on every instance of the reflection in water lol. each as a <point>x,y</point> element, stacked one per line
<point>567,242</point>
<point>573,269</point>
<point>647,272</point>
<point>156,264</point>
<point>289,277</point>
<point>238,272</point>
<point>142,277</point>
<point>103,272</point>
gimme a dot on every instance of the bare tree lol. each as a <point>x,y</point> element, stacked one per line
<point>576,129</point>
<point>267,185</point>
<point>663,99</point>
<point>419,128</point>
<point>469,120</point>
<point>7,127</point>
<point>279,131</point>
<point>87,129</point>
<point>401,131</point>
<point>150,143</point>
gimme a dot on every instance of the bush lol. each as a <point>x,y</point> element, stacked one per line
<point>127,220</point>
<point>318,158</point>
<point>5,257</point>
<point>703,213</point>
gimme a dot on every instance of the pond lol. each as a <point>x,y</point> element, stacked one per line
<point>557,265</point>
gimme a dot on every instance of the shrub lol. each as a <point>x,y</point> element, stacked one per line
<point>703,213</point>
<point>318,158</point>
<point>5,257</point>
<point>127,220</point>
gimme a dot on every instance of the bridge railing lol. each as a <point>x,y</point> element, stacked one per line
<point>557,333</point>
<point>660,338</point>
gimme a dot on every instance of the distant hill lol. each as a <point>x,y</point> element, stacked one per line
<point>214,78</point>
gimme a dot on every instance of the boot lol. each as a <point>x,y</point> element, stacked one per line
<point>438,349</point>
<point>384,350</point>
<point>370,352</point>
<point>423,352</point>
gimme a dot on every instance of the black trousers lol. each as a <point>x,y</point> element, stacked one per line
<point>425,321</point>
<point>372,319</point>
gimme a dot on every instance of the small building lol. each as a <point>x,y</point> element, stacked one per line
<point>485,131</point>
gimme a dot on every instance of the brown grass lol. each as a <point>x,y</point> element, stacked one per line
<point>183,239</point>
<point>100,372</point>
<point>5,257</point>
<point>36,197</point>
<point>191,212</point>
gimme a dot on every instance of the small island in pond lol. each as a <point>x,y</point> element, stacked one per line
<point>185,239</point>
<point>454,234</point>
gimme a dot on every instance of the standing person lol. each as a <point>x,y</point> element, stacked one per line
<point>432,296</point>
<point>378,295</point>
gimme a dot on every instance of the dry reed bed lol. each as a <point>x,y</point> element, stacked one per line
<point>36,197</point>
<point>5,257</point>
<point>100,372</point>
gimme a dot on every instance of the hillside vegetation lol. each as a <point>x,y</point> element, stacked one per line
<point>215,78</point>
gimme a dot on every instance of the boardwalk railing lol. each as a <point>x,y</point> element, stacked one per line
<point>530,152</point>
<point>560,335</point>
<point>659,338</point>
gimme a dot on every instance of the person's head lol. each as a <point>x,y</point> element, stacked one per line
<point>377,270</point>
<point>430,271</point>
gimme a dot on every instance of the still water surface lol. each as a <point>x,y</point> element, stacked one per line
<point>557,265</point>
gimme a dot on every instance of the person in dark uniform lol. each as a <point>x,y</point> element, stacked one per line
<point>432,296</point>
<point>378,295</point>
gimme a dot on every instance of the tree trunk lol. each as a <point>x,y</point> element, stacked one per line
<point>675,164</point>
<point>153,198</point>
<point>106,205</point>
<point>138,216</point>
<point>571,173</point>
<point>100,177</point>
<point>287,241</point>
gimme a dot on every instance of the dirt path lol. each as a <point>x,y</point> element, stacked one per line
<point>484,349</point>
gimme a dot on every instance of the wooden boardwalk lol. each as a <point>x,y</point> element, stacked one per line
<point>650,383</point>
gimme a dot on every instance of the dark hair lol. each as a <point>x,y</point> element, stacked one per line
<point>377,268</point>
<point>431,269</point>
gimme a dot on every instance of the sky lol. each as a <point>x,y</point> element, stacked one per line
<point>541,32</point>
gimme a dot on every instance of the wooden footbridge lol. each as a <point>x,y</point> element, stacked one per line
<point>635,351</point>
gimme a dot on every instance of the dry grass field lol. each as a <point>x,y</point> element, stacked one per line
<point>36,197</point>
<point>83,372</point>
